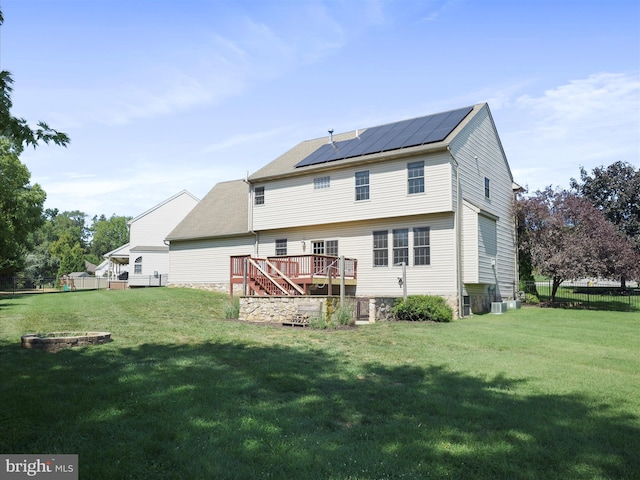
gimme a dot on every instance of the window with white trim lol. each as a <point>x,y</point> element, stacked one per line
<point>421,246</point>
<point>415,177</point>
<point>362,185</point>
<point>380,248</point>
<point>331,247</point>
<point>318,247</point>
<point>281,246</point>
<point>259,196</point>
<point>401,246</point>
<point>321,182</point>
<point>137,266</point>
<point>487,190</point>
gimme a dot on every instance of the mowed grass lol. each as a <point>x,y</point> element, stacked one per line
<point>183,394</point>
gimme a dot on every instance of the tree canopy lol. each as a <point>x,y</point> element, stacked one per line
<point>615,191</point>
<point>567,238</point>
<point>20,209</point>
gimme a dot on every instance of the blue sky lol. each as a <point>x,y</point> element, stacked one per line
<point>160,96</point>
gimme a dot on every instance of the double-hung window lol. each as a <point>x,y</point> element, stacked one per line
<point>259,196</point>
<point>137,266</point>
<point>362,185</point>
<point>401,246</point>
<point>421,246</point>
<point>415,177</point>
<point>487,190</point>
<point>380,248</point>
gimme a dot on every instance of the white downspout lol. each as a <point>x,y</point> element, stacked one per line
<point>457,228</point>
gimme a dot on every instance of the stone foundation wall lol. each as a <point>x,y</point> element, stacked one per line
<point>275,309</point>
<point>282,309</point>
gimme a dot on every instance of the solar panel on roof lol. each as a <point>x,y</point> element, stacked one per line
<point>393,136</point>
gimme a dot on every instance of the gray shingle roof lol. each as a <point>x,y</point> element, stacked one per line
<point>222,212</point>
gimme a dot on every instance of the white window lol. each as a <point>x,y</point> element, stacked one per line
<point>281,246</point>
<point>137,266</point>
<point>487,190</point>
<point>401,246</point>
<point>332,247</point>
<point>380,248</point>
<point>421,246</point>
<point>362,185</point>
<point>415,177</point>
<point>259,196</point>
<point>321,182</point>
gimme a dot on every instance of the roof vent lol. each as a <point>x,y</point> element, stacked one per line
<point>331,136</point>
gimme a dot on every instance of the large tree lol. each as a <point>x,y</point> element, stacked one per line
<point>20,209</point>
<point>108,234</point>
<point>41,262</point>
<point>615,191</point>
<point>568,238</point>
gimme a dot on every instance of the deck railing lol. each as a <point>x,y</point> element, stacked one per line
<point>299,266</point>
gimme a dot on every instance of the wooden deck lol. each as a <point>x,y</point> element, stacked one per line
<point>289,275</point>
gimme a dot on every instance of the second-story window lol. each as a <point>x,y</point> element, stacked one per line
<point>487,190</point>
<point>281,246</point>
<point>321,182</point>
<point>259,196</point>
<point>362,185</point>
<point>415,177</point>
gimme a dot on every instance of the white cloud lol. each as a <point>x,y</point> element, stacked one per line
<point>587,122</point>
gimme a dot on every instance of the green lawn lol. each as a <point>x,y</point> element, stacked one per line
<point>182,394</point>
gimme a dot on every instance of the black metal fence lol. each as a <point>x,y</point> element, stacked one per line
<point>588,294</point>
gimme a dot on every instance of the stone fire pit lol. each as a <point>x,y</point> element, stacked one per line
<point>55,341</point>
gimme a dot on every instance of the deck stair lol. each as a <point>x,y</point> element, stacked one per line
<point>288,275</point>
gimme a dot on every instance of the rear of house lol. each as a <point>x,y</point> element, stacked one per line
<point>422,206</point>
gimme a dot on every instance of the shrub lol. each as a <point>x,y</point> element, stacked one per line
<point>343,316</point>
<point>422,308</point>
<point>232,310</point>
<point>531,298</point>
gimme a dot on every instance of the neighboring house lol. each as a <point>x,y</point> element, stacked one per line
<point>435,193</point>
<point>147,254</point>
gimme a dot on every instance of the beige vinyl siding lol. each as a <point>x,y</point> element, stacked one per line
<point>469,244</point>
<point>152,227</point>
<point>487,249</point>
<point>294,202</point>
<point>479,154</point>
<point>206,261</point>
<point>355,240</point>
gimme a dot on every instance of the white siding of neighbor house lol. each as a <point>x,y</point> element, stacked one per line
<point>206,261</point>
<point>355,240</point>
<point>152,262</point>
<point>294,202</point>
<point>479,154</point>
<point>152,227</point>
